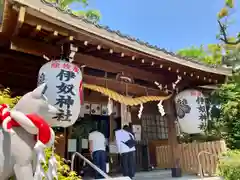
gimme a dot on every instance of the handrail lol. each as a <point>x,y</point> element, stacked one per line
<point>89,163</point>
<point>199,163</point>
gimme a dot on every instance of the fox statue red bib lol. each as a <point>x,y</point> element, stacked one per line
<point>63,90</point>
<point>25,130</point>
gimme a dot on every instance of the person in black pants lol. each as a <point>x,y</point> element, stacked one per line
<point>100,159</point>
<point>128,162</point>
<point>126,142</point>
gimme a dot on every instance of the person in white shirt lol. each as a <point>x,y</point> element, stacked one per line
<point>97,147</point>
<point>126,142</point>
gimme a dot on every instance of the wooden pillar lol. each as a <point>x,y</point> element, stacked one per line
<point>172,132</point>
<point>66,143</point>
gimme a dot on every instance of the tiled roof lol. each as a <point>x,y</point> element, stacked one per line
<point>120,34</point>
<point>64,17</point>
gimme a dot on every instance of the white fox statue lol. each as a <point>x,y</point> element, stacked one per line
<point>19,128</point>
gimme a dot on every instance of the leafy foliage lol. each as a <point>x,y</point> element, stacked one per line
<point>212,54</point>
<point>227,122</point>
<point>64,172</point>
<point>229,45</point>
<point>90,14</point>
<point>65,3</point>
<point>233,59</point>
<point>232,44</point>
<point>1,7</point>
<point>229,165</point>
<point>5,97</point>
<point>189,138</point>
<point>225,115</point>
<point>228,6</point>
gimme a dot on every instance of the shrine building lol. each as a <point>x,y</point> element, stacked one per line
<point>130,72</point>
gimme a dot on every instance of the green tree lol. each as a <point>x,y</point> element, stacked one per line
<point>231,43</point>
<point>227,122</point>
<point>211,54</point>
<point>225,119</point>
<point>228,45</point>
<point>90,14</point>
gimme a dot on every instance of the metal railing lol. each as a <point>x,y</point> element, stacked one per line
<point>199,163</point>
<point>89,163</point>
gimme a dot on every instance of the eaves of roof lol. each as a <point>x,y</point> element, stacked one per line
<point>66,16</point>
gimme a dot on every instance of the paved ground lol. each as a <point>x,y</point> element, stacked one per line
<point>166,175</point>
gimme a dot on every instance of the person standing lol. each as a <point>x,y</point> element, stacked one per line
<point>126,142</point>
<point>97,148</point>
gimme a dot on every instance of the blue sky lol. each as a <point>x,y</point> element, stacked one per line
<point>169,24</point>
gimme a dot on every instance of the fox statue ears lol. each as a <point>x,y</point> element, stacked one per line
<point>39,91</point>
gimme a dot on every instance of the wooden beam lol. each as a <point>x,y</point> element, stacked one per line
<point>34,47</point>
<point>109,66</point>
<point>29,74</point>
<point>52,36</point>
<point>20,21</point>
<point>29,77</point>
<point>33,21</point>
<point>29,46</point>
<point>28,80</point>
<point>121,43</point>
<point>9,19</point>
<point>8,56</point>
<point>90,49</point>
<point>65,40</point>
<point>56,30</point>
<point>112,40</point>
<point>80,35</point>
<point>4,41</point>
<point>36,31</point>
<point>121,87</point>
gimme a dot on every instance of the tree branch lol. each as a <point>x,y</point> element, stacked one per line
<point>224,35</point>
